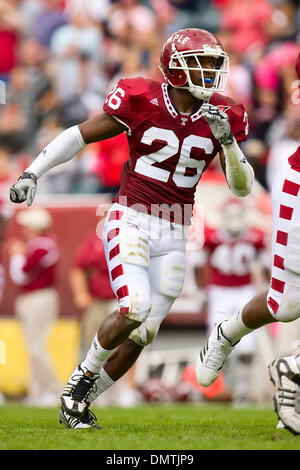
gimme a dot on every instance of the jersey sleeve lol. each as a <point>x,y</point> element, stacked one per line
<point>33,260</point>
<point>126,102</point>
<point>238,119</point>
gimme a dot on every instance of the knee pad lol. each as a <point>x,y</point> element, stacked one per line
<point>289,307</point>
<point>139,305</point>
<point>292,256</point>
<point>145,333</point>
<point>171,276</point>
<point>134,247</point>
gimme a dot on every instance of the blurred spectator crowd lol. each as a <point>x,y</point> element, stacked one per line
<point>59,58</point>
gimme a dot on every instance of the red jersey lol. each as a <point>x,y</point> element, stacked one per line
<point>294,160</point>
<point>41,258</point>
<point>168,151</point>
<point>231,257</point>
<point>90,257</point>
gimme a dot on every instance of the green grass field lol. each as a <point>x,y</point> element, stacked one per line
<point>155,427</point>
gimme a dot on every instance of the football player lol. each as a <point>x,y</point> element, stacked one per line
<point>280,303</point>
<point>230,250</point>
<point>174,129</point>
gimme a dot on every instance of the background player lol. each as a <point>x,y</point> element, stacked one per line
<point>231,250</point>
<point>282,301</point>
<point>174,130</point>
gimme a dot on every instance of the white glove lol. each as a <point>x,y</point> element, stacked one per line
<point>24,189</point>
<point>218,122</point>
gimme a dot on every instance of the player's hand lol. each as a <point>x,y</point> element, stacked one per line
<point>218,122</point>
<point>83,300</point>
<point>24,189</point>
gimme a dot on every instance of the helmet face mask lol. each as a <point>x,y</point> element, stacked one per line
<point>176,64</point>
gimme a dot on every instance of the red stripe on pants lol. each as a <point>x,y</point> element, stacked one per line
<point>281,238</point>
<point>277,285</point>
<point>112,234</point>
<point>290,187</point>
<point>122,292</point>
<point>278,262</point>
<point>273,304</point>
<point>115,215</point>
<point>114,252</point>
<point>116,272</point>
<point>286,212</point>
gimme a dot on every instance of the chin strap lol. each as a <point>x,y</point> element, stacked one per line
<point>199,94</point>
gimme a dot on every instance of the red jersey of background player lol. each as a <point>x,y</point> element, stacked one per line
<point>168,151</point>
<point>39,268</point>
<point>90,257</point>
<point>230,258</point>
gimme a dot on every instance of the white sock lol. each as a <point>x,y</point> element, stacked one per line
<point>96,357</point>
<point>103,383</point>
<point>234,328</point>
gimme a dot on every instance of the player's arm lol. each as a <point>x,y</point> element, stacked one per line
<point>80,288</point>
<point>62,149</point>
<point>239,173</point>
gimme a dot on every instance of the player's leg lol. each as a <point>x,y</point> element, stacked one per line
<point>166,276</point>
<point>128,259</point>
<point>128,352</point>
<point>219,305</point>
<point>282,302</point>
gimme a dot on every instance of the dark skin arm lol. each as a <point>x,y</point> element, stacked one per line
<point>101,127</point>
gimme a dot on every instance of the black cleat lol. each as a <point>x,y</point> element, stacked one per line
<point>74,397</point>
<point>86,421</point>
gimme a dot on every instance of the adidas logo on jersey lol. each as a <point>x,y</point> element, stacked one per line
<point>154,101</point>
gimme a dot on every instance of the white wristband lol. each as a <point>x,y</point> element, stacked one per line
<point>239,173</point>
<point>62,149</point>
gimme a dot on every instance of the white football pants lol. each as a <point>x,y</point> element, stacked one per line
<point>284,293</point>
<point>146,263</point>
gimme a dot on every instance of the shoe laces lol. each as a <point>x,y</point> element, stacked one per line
<point>216,356</point>
<point>84,385</point>
<point>88,417</point>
